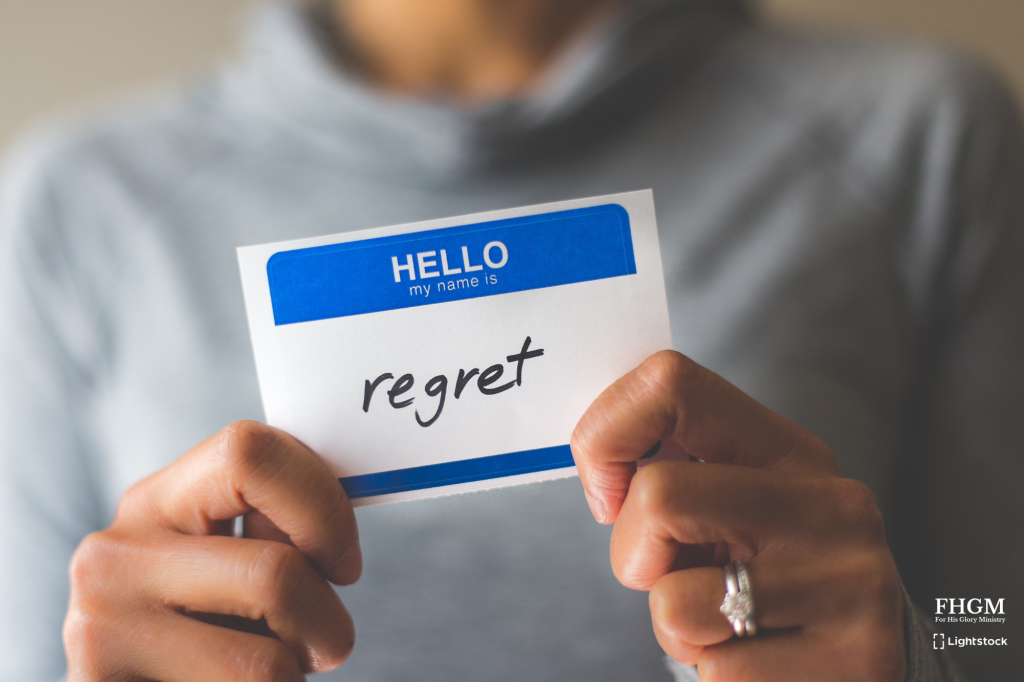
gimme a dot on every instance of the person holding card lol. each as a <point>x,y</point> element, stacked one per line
<point>841,232</point>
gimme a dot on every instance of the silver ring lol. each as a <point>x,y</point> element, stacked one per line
<point>738,605</point>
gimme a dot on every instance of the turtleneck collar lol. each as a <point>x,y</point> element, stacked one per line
<point>289,92</point>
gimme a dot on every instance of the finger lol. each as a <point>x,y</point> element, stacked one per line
<point>252,466</point>
<point>682,503</point>
<point>828,529</point>
<point>174,648</point>
<point>671,397</point>
<point>854,654</point>
<point>257,580</point>
<point>171,647</point>
<point>684,612</point>
<point>792,656</point>
<point>686,605</point>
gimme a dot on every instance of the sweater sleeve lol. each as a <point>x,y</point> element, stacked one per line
<point>926,662</point>
<point>47,500</point>
<point>961,512</point>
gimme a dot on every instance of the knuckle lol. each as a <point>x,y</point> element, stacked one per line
<point>583,436</point>
<point>858,507</point>
<point>134,499</point>
<point>671,365</point>
<point>879,584</point>
<point>664,492</point>
<point>683,609</point>
<point>100,581</point>
<point>347,565</point>
<point>654,489</point>
<point>245,444</point>
<point>669,371</point>
<point>272,662</point>
<point>86,635</point>
<point>670,610</point>
<point>95,558</point>
<point>717,665</point>
<point>335,656</point>
<point>277,573</point>
<point>657,386</point>
<point>672,380</point>
<point>630,574</point>
<point>680,651</point>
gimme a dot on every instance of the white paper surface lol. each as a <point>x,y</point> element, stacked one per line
<point>314,372</point>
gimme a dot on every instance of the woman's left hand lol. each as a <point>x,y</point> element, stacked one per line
<point>827,597</point>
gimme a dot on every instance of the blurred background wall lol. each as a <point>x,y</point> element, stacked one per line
<point>56,54</point>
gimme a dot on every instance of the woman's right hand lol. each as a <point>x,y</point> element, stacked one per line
<point>165,593</point>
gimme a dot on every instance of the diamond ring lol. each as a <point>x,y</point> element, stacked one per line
<point>738,605</point>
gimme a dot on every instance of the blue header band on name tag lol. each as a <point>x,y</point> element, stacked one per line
<point>450,264</point>
<point>462,471</point>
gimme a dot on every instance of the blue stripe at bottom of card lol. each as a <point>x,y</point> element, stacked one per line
<point>463,471</point>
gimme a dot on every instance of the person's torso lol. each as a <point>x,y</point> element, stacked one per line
<point>781,276</point>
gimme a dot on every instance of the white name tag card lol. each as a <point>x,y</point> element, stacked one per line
<point>457,354</point>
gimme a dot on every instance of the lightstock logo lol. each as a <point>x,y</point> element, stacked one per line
<point>940,641</point>
<point>968,610</point>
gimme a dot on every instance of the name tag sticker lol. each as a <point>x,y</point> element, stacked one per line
<point>454,355</point>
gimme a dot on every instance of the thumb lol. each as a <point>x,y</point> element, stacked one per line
<point>671,399</point>
<point>630,421</point>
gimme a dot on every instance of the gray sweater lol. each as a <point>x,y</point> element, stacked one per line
<point>841,227</point>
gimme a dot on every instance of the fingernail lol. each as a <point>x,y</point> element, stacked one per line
<point>596,507</point>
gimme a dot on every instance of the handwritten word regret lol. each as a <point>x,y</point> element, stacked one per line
<point>437,387</point>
